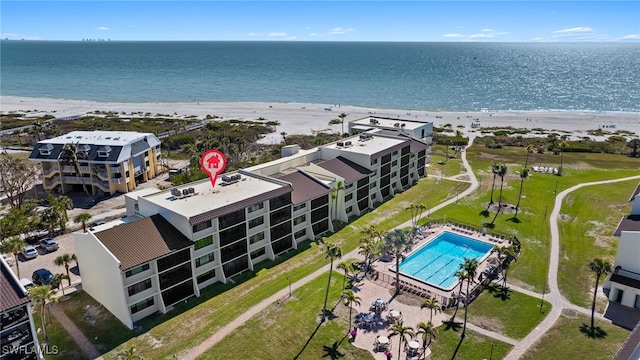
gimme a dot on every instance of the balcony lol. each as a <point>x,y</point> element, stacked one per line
<point>52,170</point>
<point>116,180</point>
<point>115,169</point>
<point>72,169</point>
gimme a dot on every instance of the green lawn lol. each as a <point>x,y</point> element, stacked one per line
<point>586,234</point>
<point>510,313</point>
<point>567,339</point>
<point>447,168</point>
<point>473,347</point>
<point>61,344</point>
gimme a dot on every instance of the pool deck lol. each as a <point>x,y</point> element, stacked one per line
<point>380,285</point>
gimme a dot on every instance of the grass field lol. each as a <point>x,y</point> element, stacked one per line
<point>567,339</point>
<point>61,344</point>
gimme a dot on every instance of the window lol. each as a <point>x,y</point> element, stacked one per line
<point>142,305</point>
<point>139,287</point>
<point>299,206</point>
<point>256,237</point>
<point>394,163</point>
<point>280,201</point>
<point>257,253</point>
<point>348,197</point>
<point>348,186</point>
<point>204,260</point>
<point>233,251</point>
<point>232,235</point>
<point>255,207</point>
<point>300,233</point>
<point>299,220</point>
<point>201,225</point>
<point>280,216</point>
<point>206,276</point>
<point>395,153</point>
<point>374,161</point>
<point>173,260</point>
<point>319,214</point>
<point>199,244</point>
<point>280,230</point>
<point>228,220</point>
<point>372,185</point>
<point>137,270</point>
<point>175,276</point>
<point>349,209</point>
<point>394,174</point>
<point>256,222</point>
<point>317,202</point>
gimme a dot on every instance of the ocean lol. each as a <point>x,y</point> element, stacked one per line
<point>423,76</point>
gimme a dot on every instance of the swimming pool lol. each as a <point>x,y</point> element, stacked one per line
<point>437,261</point>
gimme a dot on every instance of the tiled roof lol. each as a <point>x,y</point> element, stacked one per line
<point>345,168</point>
<point>631,346</point>
<point>624,280</point>
<point>143,240</point>
<point>628,223</point>
<point>11,294</point>
<point>53,154</point>
<point>304,187</point>
<point>241,204</point>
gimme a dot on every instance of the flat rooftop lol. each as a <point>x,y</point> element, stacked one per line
<point>100,137</point>
<point>390,123</point>
<point>206,198</point>
<point>374,146</point>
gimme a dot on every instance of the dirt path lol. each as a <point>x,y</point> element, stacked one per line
<point>83,343</point>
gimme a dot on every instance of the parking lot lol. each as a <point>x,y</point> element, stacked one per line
<point>45,260</point>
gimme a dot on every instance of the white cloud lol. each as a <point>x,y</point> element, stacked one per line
<point>487,30</point>
<point>334,31</point>
<point>631,37</point>
<point>12,36</point>
<point>575,30</point>
<point>537,39</point>
<point>103,28</point>
<point>452,35</point>
<point>488,34</point>
<point>277,34</point>
<point>255,34</point>
<point>480,36</point>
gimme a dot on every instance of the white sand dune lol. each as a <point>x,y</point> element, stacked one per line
<point>299,118</point>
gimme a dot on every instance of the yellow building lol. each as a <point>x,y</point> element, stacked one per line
<point>108,161</point>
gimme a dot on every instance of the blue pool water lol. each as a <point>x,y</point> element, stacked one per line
<point>437,261</point>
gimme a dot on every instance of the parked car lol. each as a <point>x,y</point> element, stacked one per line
<point>42,277</point>
<point>30,252</point>
<point>49,244</point>
<point>27,284</point>
<point>96,223</point>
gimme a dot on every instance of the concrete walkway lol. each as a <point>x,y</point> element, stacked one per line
<point>555,297</point>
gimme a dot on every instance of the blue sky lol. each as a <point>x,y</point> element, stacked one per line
<point>495,21</point>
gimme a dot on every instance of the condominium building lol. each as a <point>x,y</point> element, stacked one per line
<point>175,242</point>
<point>623,285</point>
<point>18,335</point>
<point>108,161</point>
<point>419,129</point>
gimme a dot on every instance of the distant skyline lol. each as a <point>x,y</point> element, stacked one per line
<point>421,21</point>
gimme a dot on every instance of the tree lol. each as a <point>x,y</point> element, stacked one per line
<point>71,155</point>
<point>508,254</point>
<point>530,148</point>
<point>17,176</point>
<point>284,137</point>
<point>13,245</point>
<point>563,145</point>
<point>350,298</point>
<point>524,173</point>
<point>370,244</point>
<point>462,276</point>
<point>431,304</point>
<point>347,266</point>
<point>129,353</point>
<point>335,192</point>
<point>398,242</point>
<point>403,332</point>
<point>342,116</point>
<point>51,218</point>
<point>469,266</point>
<point>64,260</point>
<point>416,213</point>
<point>332,252</point>
<point>60,205</point>
<point>446,143</point>
<point>428,332</point>
<point>75,258</point>
<point>57,281</point>
<point>600,267</point>
<point>494,169</point>
<point>82,218</point>
<point>41,296</point>
<point>634,144</point>
<point>502,171</point>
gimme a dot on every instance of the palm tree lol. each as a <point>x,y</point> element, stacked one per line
<point>335,192</point>
<point>347,266</point>
<point>431,304</point>
<point>634,144</point>
<point>41,295</point>
<point>284,137</point>
<point>75,258</point>
<point>446,143</point>
<point>350,298</point>
<point>523,175</point>
<point>563,144</point>
<point>428,331</point>
<point>469,266</point>
<point>600,267</point>
<point>342,116</point>
<point>403,333</point>
<point>530,148</point>
<point>494,169</point>
<point>51,218</point>
<point>398,242</point>
<point>70,155</point>
<point>57,281</point>
<point>502,171</point>
<point>129,354</point>
<point>13,245</point>
<point>82,218</point>
<point>64,259</point>
<point>332,252</point>
<point>370,244</point>
<point>416,213</point>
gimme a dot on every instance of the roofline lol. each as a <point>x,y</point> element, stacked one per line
<point>14,277</point>
<point>104,247</point>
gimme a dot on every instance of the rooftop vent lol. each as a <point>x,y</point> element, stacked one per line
<point>347,143</point>
<point>192,190</point>
<point>396,125</point>
<point>340,144</point>
<point>365,137</point>
<point>175,192</point>
<point>231,178</point>
<point>402,125</point>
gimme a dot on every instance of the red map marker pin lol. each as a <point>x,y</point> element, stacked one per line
<point>213,163</point>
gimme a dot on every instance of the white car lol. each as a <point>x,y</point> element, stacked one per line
<point>49,244</point>
<point>30,252</point>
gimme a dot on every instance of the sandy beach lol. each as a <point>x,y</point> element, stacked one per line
<point>299,118</point>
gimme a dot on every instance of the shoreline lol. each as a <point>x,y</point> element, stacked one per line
<point>305,118</point>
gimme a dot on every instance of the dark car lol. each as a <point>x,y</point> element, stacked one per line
<point>42,277</point>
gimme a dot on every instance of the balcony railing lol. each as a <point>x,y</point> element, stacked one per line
<point>51,170</point>
<point>115,169</point>
<point>116,180</point>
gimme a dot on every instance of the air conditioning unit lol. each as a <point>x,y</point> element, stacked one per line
<point>175,192</point>
<point>347,143</point>
<point>396,125</point>
<point>191,190</point>
<point>340,144</point>
<point>226,178</point>
<point>185,192</point>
